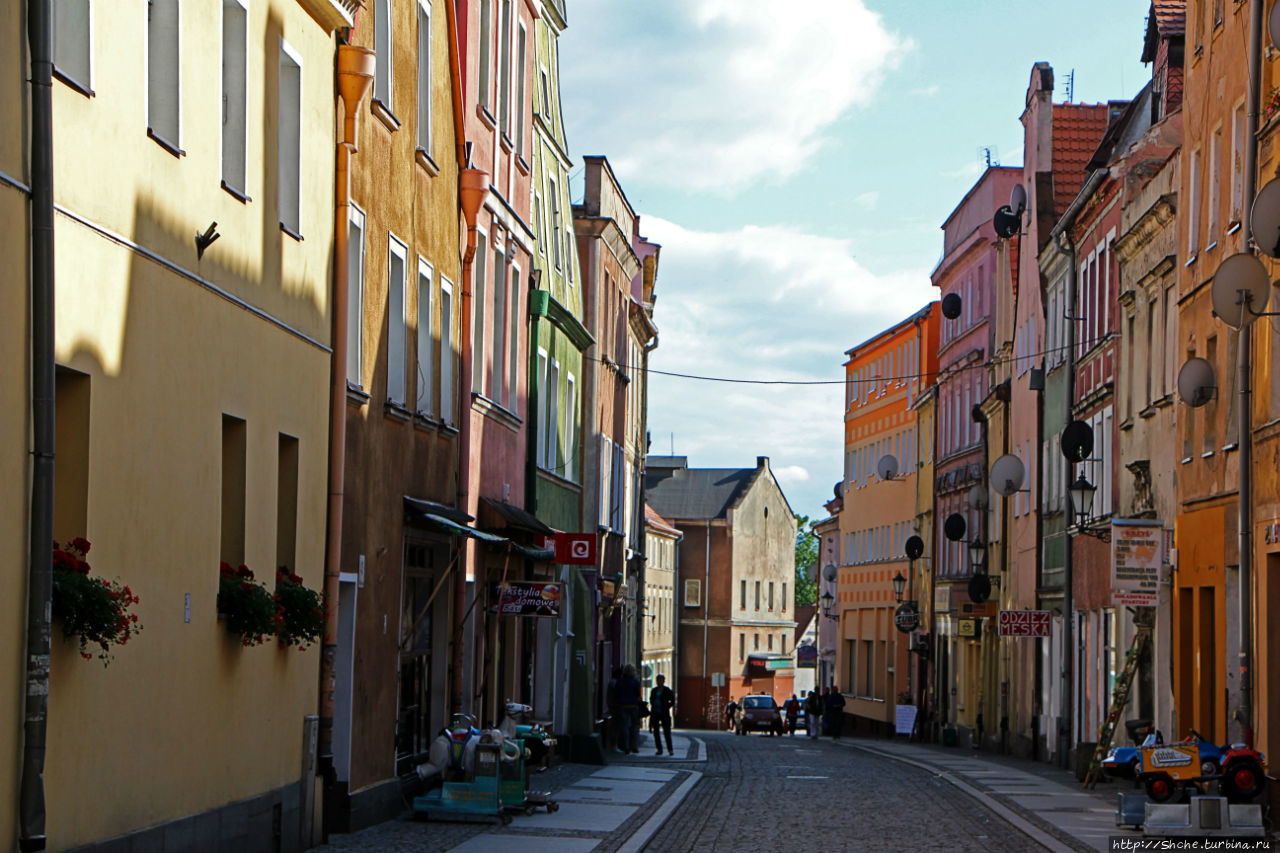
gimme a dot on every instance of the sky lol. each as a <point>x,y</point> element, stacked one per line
<point>796,162</point>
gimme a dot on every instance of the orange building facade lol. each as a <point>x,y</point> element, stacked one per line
<point>883,376</point>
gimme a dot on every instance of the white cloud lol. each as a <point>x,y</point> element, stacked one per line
<point>764,302</point>
<point>926,91</point>
<point>968,170</point>
<point>718,94</point>
<point>867,200</point>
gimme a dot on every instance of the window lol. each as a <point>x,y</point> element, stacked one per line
<point>546,93</point>
<point>384,61</point>
<point>692,593</point>
<point>396,270</point>
<point>770,639</point>
<point>290,140</point>
<point>551,436</point>
<point>1193,209</point>
<point>424,77</point>
<point>73,42</point>
<point>499,324</point>
<point>1237,162</point>
<point>445,355</point>
<point>570,471</point>
<point>286,501</point>
<point>553,197</point>
<point>426,346</point>
<point>234,478</point>
<point>513,345</point>
<point>540,224</point>
<point>606,480</point>
<point>235,105</point>
<point>742,589</point>
<point>1211,408</point>
<point>355,294</point>
<point>1215,180</point>
<point>478,303</point>
<point>757,595</point>
<point>544,408</point>
<point>164,71</point>
<point>771,595</point>
<point>521,64</point>
<point>742,647</point>
<point>71,474</point>
<point>486,36</point>
<point>504,67</point>
<point>755,639</point>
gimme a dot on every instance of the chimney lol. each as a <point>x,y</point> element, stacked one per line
<point>762,462</point>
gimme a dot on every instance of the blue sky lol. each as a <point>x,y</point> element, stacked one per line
<point>797,168</point>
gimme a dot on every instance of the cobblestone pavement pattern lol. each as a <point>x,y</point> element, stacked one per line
<point>770,794</point>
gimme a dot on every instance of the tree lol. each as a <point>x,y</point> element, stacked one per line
<point>806,562</point>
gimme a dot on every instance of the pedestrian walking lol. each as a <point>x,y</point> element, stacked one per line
<point>627,695</point>
<point>731,712</point>
<point>813,713</point>
<point>662,703</point>
<point>792,707</point>
<point>834,711</point>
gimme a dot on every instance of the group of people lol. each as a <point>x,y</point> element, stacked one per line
<point>821,712</point>
<point>627,707</point>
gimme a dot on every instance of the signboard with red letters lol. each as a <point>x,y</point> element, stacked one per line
<point>575,549</point>
<point>1024,623</point>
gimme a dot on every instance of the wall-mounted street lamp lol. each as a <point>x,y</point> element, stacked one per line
<point>828,605</point>
<point>978,554</point>
<point>899,585</point>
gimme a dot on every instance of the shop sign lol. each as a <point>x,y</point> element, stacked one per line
<point>907,617</point>
<point>1137,553</point>
<point>942,599</point>
<point>575,549</point>
<point>519,598</point>
<point>807,657</point>
<point>1024,623</point>
<point>1271,532</point>
<point>967,627</point>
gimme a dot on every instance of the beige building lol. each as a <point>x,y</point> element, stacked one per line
<point>662,540</point>
<point>191,402</point>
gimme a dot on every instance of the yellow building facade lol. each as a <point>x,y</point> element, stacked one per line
<point>191,403</point>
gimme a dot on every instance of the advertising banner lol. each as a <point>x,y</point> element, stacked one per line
<point>807,657</point>
<point>1137,553</point>
<point>520,598</point>
<point>1024,623</point>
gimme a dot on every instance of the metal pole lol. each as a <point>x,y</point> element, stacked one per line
<point>1065,723</point>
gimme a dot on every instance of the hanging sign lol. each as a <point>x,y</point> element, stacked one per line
<point>1024,623</point>
<point>907,617</point>
<point>807,657</point>
<point>1137,552</point>
<point>520,598</point>
<point>575,549</point>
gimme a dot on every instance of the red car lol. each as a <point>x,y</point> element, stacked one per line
<point>760,714</point>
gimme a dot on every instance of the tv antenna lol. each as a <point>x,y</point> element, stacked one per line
<point>1071,85</point>
<point>990,155</point>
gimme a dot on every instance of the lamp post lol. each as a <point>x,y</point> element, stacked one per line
<point>899,586</point>
<point>978,555</point>
<point>1081,492</point>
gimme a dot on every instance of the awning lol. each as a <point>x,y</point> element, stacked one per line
<point>419,508</point>
<point>538,555</point>
<point>516,517</point>
<point>456,529</point>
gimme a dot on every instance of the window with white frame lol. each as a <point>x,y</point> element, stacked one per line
<point>1193,208</point>
<point>693,597</point>
<point>552,434</point>
<point>480,275</point>
<point>1215,181</point>
<point>513,344</point>
<point>553,197</point>
<point>73,41</point>
<point>235,103</point>
<point>504,67</point>
<point>570,471</point>
<point>397,269</point>
<point>606,480</point>
<point>426,344</point>
<point>498,356</point>
<point>544,408</point>
<point>383,60</point>
<point>486,49</point>
<point>355,294</point>
<point>522,50</point>
<point>289,166</point>
<point>425,117</point>
<point>545,87</point>
<point>164,71</point>
<point>1238,133</point>
<point>445,355</point>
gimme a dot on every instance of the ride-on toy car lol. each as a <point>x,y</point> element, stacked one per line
<point>1165,769</point>
<point>760,714</point>
<point>1122,761</point>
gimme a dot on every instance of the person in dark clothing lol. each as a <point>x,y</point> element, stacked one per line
<point>834,711</point>
<point>731,713</point>
<point>792,709</point>
<point>662,701</point>
<point>813,711</point>
<point>627,695</point>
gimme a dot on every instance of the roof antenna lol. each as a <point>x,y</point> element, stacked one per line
<point>1071,86</point>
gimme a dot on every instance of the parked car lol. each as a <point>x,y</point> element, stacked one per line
<point>760,714</point>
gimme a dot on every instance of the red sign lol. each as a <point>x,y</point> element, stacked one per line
<point>1024,623</point>
<point>575,549</point>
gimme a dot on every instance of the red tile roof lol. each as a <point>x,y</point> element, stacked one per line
<point>1171,17</point>
<point>1077,130</point>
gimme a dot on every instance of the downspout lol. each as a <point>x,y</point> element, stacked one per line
<point>1244,347</point>
<point>355,76</point>
<point>706,608</point>
<point>31,805</point>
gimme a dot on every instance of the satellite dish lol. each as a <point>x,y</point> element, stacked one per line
<point>1240,289</point>
<point>1018,198</point>
<point>979,588</point>
<point>1196,383</point>
<point>914,547</point>
<point>953,528</point>
<point>829,573</point>
<point>978,497</point>
<point>887,467</point>
<point>951,306</point>
<point>1265,222</point>
<point>1006,475</point>
<point>1077,441</point>
<point>1006,222</point>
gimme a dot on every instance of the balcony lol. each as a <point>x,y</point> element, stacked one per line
<point>332,14</point>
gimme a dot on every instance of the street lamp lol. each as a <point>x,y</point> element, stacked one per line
<point>1081,492</point>
<point>977,554</point>
<point>899,585</point>
<point>828,603</point>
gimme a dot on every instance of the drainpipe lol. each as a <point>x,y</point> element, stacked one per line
<point>31,804</point>
<point>355,76</point>
<point>706,607</point>
<point>1243,352</point>
<point>473,186</point>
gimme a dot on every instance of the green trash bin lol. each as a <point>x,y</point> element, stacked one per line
<point>948,736</point>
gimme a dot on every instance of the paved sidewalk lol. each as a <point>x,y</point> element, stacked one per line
<point>1042,800</point>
